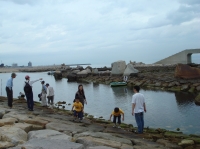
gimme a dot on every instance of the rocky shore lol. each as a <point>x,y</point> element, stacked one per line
<point>54,129</point>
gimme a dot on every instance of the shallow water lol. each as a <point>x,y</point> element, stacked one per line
<point>168,110</point>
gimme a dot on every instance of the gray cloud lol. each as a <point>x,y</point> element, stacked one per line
<point>96,31</point>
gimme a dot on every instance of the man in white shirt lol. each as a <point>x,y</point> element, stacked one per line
<point>50,94</point>
<point>138,108</point>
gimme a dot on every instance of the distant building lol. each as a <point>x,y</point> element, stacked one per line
<point>29,64</point>
<point>14,65</point>
<point>2,65</point>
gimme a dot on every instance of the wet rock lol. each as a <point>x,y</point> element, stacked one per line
<point>197,99</point>
<point>186,72</point>
<point>118,67</point>
<point>158,84</point>
<point>171,84</point>
<point>172,134</point>
<point>175,88</point>
<point>130,70</point>
<point>14,135</point>
<point>58,75</point>
<point>168,144</point>
<point>198,88</point>
<point>186,142</point>
<point>192,89</point>
<point>184,87</point>
<point>72,77</point>
<point>165,84</point>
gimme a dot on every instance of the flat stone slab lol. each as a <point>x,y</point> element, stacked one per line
<point>91,141</point>
<point>24,126</point>
<point>45,143</point>
<point>48,134</point>
<point>7,121</point>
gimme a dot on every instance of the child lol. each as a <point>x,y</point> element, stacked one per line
<point>117,115</point>
<point>78,110</point>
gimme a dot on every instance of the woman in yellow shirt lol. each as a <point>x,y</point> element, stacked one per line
<point>117,115</point>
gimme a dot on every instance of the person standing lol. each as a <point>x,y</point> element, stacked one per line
<point>29,92</point>
<point>9,91</point>
<point>80,94</point>
<point>50,94</point>
<point>43,94</point>
<point>138,108</point>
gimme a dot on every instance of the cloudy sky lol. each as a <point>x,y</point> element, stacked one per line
<point>99,32</point>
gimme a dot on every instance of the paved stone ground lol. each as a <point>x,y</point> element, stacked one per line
<point>54,129</point>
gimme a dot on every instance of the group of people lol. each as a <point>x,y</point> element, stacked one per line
<point>138,101</point>
<point>46,92</point>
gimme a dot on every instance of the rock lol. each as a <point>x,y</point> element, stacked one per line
<point>14,135</point>
<point>167,144</point>
<point>67,127</point>
<point>72,77</point>
<point>82,73</point>
<point>91,141</point>
<point>130,70</point>
<point>24,126</point>
<point>197,99</point>
<point>88,70</point>
<point>187,72</point>
<point>36,121</point>
<point>118,67</point>
<point>58,75</point>
<point>46,143</point>
<point>198,88</point>
<point>171,84</point>
<point>102,135</point>
<point>2,112</point>
<point>7,121</point>
<point>79,67</point>
<point>95,71</point>
<point>184,87</point>
<point>171,134</point>
<point>47,134</point>
<point>75,71</point>
<point>4,145</point>
<point>158,84</point>
<point>186,142</point>
<point>101,147</point>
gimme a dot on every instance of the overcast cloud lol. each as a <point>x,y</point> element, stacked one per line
<point>49,32</point>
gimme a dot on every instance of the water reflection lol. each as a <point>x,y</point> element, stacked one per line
<point>184,98</point>
<point>120,91</point>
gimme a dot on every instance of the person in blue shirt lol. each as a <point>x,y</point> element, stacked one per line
<point>9,91</point>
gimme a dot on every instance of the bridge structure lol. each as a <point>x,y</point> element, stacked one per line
<point>183,57</point>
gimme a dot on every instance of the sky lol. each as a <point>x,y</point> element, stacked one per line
<point>98,32</point>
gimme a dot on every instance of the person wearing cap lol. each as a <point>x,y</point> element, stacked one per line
<point>9,91</point>
<point>29,95</point>
<point>43,93</point>
<point>50,94</point>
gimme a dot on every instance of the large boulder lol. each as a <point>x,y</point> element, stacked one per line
<point>58,75</point>
<point>118,67</point>
<point>186,72</point>
<point>72,77</point>
<point>130,70</point>
<point>95,71</point>
<point>88,70</point>
<point>83,73</point>
<point>14,135</point>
